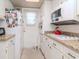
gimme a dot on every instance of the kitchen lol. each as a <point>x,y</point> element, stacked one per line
<point>39,29</point>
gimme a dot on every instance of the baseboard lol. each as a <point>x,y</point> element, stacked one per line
<point>42,53</point>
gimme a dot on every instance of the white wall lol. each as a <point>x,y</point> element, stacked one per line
<point>46,16</point>
<point>69,28</point>
<point>56,3</point>
<point>5,4</point>
<point>8,4</point>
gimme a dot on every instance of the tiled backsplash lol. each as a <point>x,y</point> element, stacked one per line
<point>70,28</point>
<point>2,22</point>
<point>71,34</point>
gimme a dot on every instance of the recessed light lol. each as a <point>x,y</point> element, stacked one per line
<point>32,0</point>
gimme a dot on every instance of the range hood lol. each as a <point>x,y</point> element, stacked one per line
<point>67,22</point>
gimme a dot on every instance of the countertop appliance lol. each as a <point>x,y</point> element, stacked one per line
<point>2,31</point>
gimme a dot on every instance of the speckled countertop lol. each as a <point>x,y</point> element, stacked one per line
<point>71,44</point>
<point>6,37</point>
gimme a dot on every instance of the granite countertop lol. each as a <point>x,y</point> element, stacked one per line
<point>6,37</point>
<point>71,44</point>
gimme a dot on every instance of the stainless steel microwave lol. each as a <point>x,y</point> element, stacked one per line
<point>55,15</point>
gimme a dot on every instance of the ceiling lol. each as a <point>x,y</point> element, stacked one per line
<point>24,4</point>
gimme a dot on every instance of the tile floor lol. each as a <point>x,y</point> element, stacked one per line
<point>31,54</point>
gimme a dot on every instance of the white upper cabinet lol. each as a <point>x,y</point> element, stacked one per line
<point>68,10</point>
<point>2,9</point>
<point>77,7</point>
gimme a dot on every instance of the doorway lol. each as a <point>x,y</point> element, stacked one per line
<point>31,20</point>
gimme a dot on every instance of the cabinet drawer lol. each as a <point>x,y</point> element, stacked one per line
<point>58,46</point>
<point>53,43</point>
<point>66,50</point>
<point>71,53</point>
<point>48,39</point>
<point>63,49</point>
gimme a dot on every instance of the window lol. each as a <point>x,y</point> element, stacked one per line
<point>31,18</point>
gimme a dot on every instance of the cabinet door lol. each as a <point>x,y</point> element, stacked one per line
<point>70,56</point>
<point>55,53</point>
<point>68,10</point>
<point>52,52</point>
<point>4,50</point>
<point>65,57</point>
<point>47,53</point>
<point>77,7</point>
<point>2,8</point>
<point>11,50</point>
<point>3,54</point>
<point>43,45</point>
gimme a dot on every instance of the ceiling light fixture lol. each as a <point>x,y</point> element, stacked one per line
<point>32,0</point>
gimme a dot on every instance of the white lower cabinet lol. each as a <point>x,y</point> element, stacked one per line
<point>7,49</point>
<point>55,54</point>
<point>43,46</point>
<point>70,56</point>
<point>49,51</point>
<point>65,57</point>
<point>52,50</point>
<point>3,54</point>
<point>11,50</point>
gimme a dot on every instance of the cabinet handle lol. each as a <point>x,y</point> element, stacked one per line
<point>72,56</point>
<point>54,44</point>
<point>62,57</point>
<point>6,51</point>
<point>49,46</point>
<point>61,3</point>
<point>12,42</point>
<point>46,38</point>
